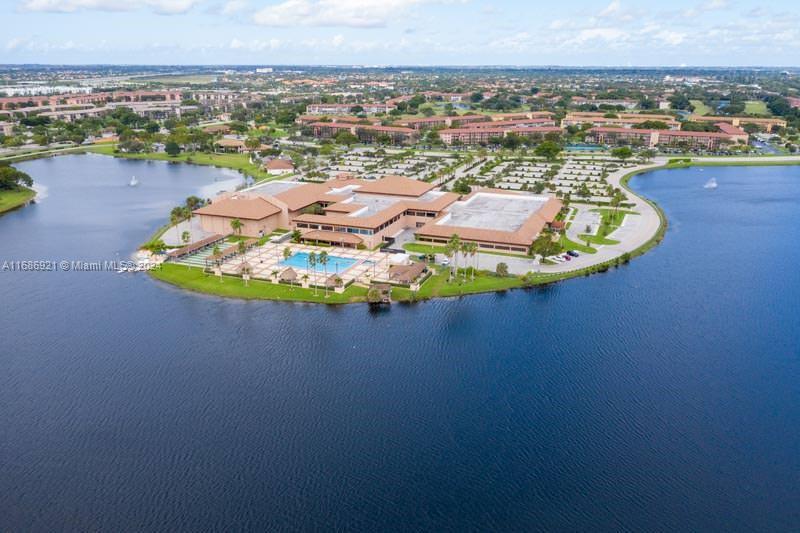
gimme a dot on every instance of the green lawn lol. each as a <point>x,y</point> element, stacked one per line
<point>239,162</point>
<point>597,239</point>
<point>438,286</point>
<point>419,248</point>
<point>700,108</point>
<point>195,279</point>
<point>568,244</point>
<point>756,107</point>
<point>12,199</point>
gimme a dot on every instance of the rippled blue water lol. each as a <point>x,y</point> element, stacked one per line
<point>664,395</point>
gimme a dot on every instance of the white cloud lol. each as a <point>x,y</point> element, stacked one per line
<point>256,45</point>
<point>234,6</point>
<point>14,43</point>
<point>671,38</point>
<point>611,9</point>
<point>600,34</point>
<point>166,7</point>
<point>716,4</point>
<point>349,13</point>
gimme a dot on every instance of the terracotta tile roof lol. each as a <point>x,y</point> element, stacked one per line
<point>279,164</point>
<point>332,237</point>
<point>396,185</point>
<point>304,195</point>
<point>246,207</point>
<point>406,273</point>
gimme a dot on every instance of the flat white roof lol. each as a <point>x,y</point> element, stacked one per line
<point>493,211</point>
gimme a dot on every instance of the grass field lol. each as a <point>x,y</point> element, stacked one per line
<point>438,286</point>
<point>568,244</point>
<point>700,108</point>
<point>12,199</point>
<point>418,248</point>
<point>756,107</point>
<point>240,162</point>
<point>194,279</point>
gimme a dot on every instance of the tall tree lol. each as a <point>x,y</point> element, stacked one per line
<point>323,260</point>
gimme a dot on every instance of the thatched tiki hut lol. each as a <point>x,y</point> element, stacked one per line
<point>245,269</point>
<point>288,276</point>
<point>335,282</point>
<point>379,293</point>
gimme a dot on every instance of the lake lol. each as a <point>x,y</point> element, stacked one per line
<point>660,396</point>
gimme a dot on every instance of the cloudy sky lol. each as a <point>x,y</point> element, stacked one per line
<point>405,32</point>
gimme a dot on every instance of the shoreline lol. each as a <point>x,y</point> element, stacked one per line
<point>498,284</point>
<point>536,279</point>
<point>17,199</point>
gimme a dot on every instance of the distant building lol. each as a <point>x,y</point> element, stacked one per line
<point>347,109</point>
<point>767,123</point>
<point>364,132</point>
<point>472,136</point>
<point>702,140</point>
<point>619,120</point>
<point>279,166</point>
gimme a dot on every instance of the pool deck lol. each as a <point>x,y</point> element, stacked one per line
<point>264,260</point>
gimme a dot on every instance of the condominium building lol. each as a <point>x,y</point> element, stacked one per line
<point>684,139</point>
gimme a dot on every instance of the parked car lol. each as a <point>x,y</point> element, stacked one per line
<point>573,253</point>
<point>567,257</point>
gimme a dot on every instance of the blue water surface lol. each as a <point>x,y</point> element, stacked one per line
<point>335,263</point>
<point>660,396</point>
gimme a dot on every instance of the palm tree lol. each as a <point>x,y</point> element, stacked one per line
<point>473,252</point>
<point>242,249</point>
<point>287,253</point>
<point>186,237</point>
<point>236,226</point>
<point>323,260</point>
<point>448,251</point>
<point>455,244</point>
<point>465,248</point>
<point>215,251</point>
<point>312,263</point>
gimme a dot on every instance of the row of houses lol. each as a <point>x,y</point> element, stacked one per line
<point>348,109</point>
<point>358,213</point>
<point>17,102</point>
<point>605,129</point>
<point>484,135</point>
<point>617,120</point>
<point>157,110</point>
<point>364,132</point>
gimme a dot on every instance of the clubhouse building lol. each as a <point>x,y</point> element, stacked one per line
<point>365,214</point>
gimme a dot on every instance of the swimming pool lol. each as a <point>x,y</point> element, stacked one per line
<point>335,263</point>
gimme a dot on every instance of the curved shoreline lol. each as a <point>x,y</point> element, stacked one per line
<point>490,282</point>
<point>23,197</point>
<point>400,294</point>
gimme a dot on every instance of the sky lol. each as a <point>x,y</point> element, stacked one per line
<point>401,32</point>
